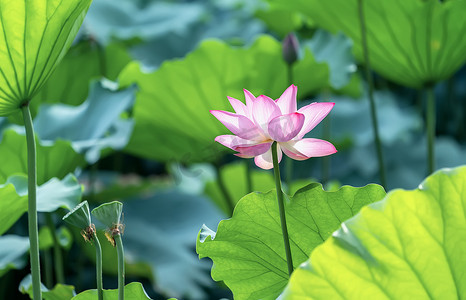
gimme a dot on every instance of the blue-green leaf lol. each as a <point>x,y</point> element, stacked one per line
<point>13,249</point>
<point>92,126</point>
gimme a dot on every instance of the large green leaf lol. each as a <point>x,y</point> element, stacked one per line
<point>411,245</point>
<point>34,37</point>
<point>53,160</point>
<point>133,291</point>
<point>172,106</point>
<point>248,251</point>
<point>410,42</point>
<point>50,196</point>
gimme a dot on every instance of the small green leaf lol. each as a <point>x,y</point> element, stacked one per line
<point>79,216</point>
<point>411,245</point>
<point>13,157</point>
<point>133,291</point>
<point>109,213</point>
<point>13,249</point>
<point>50,196</point>
<point>248,250</point>
<point>34,37</point>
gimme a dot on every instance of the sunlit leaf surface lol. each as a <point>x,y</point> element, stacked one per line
<point>34,37</point>
<point>248,251</point>
<point>409,246</point>
<point>410,42</point>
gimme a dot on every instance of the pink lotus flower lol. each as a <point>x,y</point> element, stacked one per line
<point>262,121</point>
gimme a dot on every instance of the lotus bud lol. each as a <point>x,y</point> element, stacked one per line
<point>290,49</point>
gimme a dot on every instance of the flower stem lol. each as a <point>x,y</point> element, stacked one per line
<point>281,208</point>
<point>430,119</point>
<point>32,204</point>
<point>57,254</point>
<point>370,83</point>
<point>98,263</point>
<point>121,266</point>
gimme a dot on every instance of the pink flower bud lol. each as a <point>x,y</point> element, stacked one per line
<point>290,48</point>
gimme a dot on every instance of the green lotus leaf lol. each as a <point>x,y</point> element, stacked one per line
<point>13,158</point>
<point>410,245</point>
<point>50,196</point>
<point>248,251</point>
<point>109,213</point>
<point>410,42</point>
<point>133,291</point>
<point>172,119</point>
<point>34,37</point>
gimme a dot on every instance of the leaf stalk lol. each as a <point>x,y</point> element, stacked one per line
<point>370,83</point>
<point>32,202</point>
